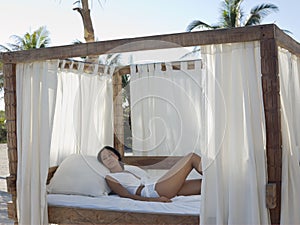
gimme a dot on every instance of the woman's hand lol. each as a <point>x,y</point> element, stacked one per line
<point>163,199</point>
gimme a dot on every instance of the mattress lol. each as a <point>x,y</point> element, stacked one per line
<point>185,205</point>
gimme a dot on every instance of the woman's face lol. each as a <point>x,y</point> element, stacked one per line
<point>109,159</point>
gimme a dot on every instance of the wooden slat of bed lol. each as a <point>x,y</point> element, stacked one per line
<point>69,215</point>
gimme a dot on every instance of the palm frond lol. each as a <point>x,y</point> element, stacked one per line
<point>237,13</point>
<point>288,32</point>
<point>77,42</point>
<point>231,13</point>
<point>14,47</point>
<point>258,13</point>
<point>225,15</point>
<point>99,2</point>
<point>111,59</point>
<point>194,53</point>
<point>42,37</point>
<point>3,48</point>
<point>199,24</point>
<point>16,39</point>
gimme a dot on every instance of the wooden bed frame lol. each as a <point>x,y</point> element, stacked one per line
<point>73,215</point>
<point>269,36</point>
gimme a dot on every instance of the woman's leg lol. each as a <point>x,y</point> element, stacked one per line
<point>173,181</point>
<point>191,187</point>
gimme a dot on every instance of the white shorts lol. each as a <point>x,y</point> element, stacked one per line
<point>149,191</point>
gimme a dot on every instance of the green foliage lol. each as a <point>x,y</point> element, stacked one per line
<point>232,15</point>
<point>1,83</point>
<point>3,133</point>
<point>38,39</point>
<point>1,78</point>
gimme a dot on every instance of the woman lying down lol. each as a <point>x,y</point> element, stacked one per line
<point>172,183</point>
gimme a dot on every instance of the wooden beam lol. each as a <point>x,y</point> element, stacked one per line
<point>285,41</point>
<point>271,97</point>
<point>188,39</point>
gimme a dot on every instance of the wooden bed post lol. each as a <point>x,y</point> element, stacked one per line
<point>118,112</point>
<point>9,71</point>
<point>270,85</point>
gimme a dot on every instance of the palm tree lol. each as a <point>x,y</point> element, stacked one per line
<point>82,7</point>
<point>232,15</point>
<point>38,39</point>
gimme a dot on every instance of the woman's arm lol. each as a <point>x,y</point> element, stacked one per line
<point>117,188</point>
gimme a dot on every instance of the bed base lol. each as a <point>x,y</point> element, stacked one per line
<point>69,215</point>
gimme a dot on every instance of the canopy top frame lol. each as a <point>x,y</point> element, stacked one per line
<point>187,39</point>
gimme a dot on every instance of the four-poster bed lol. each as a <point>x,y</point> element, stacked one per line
<point>270,38</point>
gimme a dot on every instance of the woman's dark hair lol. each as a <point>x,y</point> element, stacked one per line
<point>109,148</point>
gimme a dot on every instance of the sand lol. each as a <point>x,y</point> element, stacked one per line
<point>4,196</point>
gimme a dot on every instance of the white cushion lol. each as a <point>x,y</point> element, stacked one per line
<point>79,175</point>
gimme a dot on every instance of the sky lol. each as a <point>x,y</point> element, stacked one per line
<point>126,18</point>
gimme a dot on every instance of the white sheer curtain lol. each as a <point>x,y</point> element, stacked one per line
<point>166,108</point>
<point>58,113</point>
<point>289,73</point>
<point>234,161</point>
<point>83,121</point>
<point>36,92</point>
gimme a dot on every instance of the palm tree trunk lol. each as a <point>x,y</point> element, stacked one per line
<point>85,14</point>
<point>89,34</point>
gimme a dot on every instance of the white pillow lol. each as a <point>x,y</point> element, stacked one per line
<point>80,175</point>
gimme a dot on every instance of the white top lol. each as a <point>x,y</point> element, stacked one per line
<point>131,178</point>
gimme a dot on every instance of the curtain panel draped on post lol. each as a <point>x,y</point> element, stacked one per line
<point>166,108</point>
<point>289,73</point>
<point>234,160</point>
<point>59,112</point>
<point>36,95</point>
